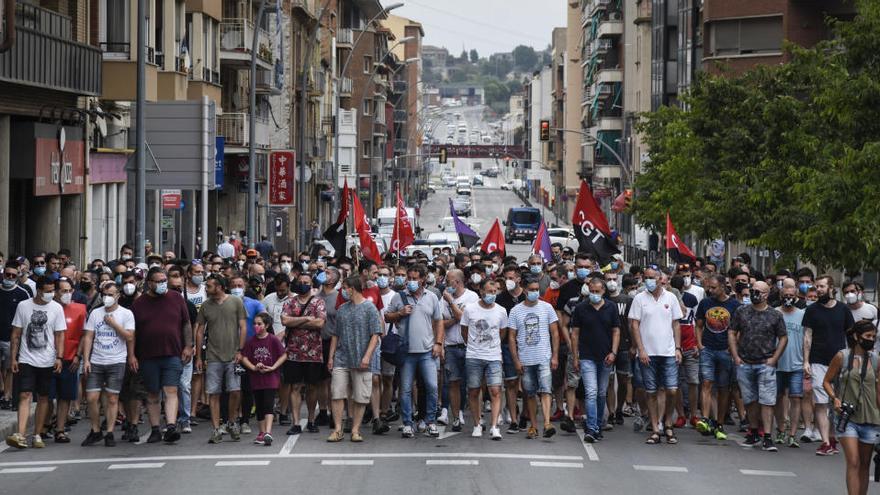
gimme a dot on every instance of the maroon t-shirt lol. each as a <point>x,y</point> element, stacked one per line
<point>265,351</point>
<point>159,323</point>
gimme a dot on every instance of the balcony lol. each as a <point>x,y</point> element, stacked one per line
<point>236,39</point>
<point>611,27</point>
<point>345,85</point>
<point>400,146</point>
<point>45,57</point>
<point>596,5</point>
<point>399,87</point>
<point>235,127</point>
<point>400,116</point>
<point>344,38</point>
<point>302,7</point>
<point>316,81</point>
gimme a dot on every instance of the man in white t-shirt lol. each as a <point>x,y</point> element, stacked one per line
<point>275,301</point>
<point>480,325</point>
<point>455,298</point>
<point>36,347</point>
<point>684,270</point>
<point>654,317</point>
<point>108,344</point>
<point>854,297</point>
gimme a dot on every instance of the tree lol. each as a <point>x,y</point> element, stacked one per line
<point>475,57</point>
<point>524,58</point>
<point>464,56</point>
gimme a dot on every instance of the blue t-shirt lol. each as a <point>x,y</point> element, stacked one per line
<point>252,307</point>
<point>792,358</point>
<point>716,318</point>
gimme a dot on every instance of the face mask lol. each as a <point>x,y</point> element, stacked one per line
<point>412,286</point>
<point>476,278</point>
<point>615,265</point>
<point>651,284</point>
<point>612,286</point>
<point>489,270</point>
<point>128,289</point>
<point>740,286</point>
<point>48,296</point>
<point>162,288</point>
<point>237,292</point>
<point>125,257</point>
<point>346,295</point>
<point>85,286</point>
<point>866,344</point>
<point>582,273</point>
<point>509,285</point>
<point>489,299</point>
<point>305,265</point>
<point>450,289</point>
<point>532,295</point>
<point>585,290</point>
<point>810,302</point>
<point>66,298</point>
<point>595,298</point>
<point>632,293</point>
<point>687,281</point>
<point>321,278</point>
<point>8,284</point>
<point>109,301</point>
<point>40,271</point>
<point>570,275</point>
<point>757,297</point>
<point>804,287</point>
<point>301,289</point>
<point>431,279</point>
<point>747,301</point>
<point>118,279</point>
<point>851,297</point>
<point>197,279</point>
<point>698,283</point>
<point>382,282</point>
<point>536,269</point>
<point>285,268</point>
<point>370,284</point>
<point>779,284</point>
<point>399,281</point>
<point>789,301</point>
<point>554,285</point>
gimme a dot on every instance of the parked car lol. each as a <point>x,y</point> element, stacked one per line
<point>478,181</point>
<point>562,236</point>
<point>507,186</point>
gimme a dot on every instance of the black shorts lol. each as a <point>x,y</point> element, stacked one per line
<point>308,373</point>
<point>132,387</point>
<point>34,380</point>
<point>622,364</point>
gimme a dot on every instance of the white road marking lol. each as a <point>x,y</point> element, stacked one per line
<point>242,463</point>
<point>137,465</point>
<point>144,437</point>
<point>557,464</point>
<point>452,462</point>
<point>291,440</point>
<point>757,472</point>
<point>444,435</point>
<point>44,469</point>
<point>340,462</point>
<point>666,469</point>
<point>591,452</point>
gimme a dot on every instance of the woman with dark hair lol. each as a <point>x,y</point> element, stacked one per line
<point>855,401</point>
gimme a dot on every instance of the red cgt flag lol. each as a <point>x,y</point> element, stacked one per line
<point>591,227</point>
<point>494,240</point>
<point>362,226</point>
<point>678,250</point>
<point>403,235</point>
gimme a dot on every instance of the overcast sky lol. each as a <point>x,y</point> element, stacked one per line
<point>490,26</point>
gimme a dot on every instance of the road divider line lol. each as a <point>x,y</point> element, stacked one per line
<point>241,463</point>
<point>557,464</point>
<point>591,451</point>
<point>758,472</point>
<point>137,465</point>
<point>664,469</point>
<point>347,462</point>
<point>452,462</point>
<point>291,440</point>
<point>43,469</point>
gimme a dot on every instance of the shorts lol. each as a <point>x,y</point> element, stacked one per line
<point>454,366</point>
<point>537,379</point>
<point>757,382</point>
<point>661,372</point>
<point>572,377</point>
<point>716,366</point>
<point>132,387</point>
<point>5,356</point>
<point>477,369</point>
<point>296,372</point>
<point>638,380</point>
<point>65,385</point>
<point>388,369</point>
<point>560,373</point>
<point>508,368</point>
<point>351,384</point>
<point>34,380</point>
<point>865,433</point>
<point>622,364</point>
<point>793,381</point>
<point>817,375</point>
<point>690,366</point>
<point>106,377</point>
<point>158,373</point>
<point>218,373</point>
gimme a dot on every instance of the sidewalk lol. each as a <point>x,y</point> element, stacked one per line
<point>9,422</point>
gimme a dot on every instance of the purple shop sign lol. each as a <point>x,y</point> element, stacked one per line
<point>107,167</point>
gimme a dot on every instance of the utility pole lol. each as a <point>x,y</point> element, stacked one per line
<point>252,131</point>
<point>141,137</point>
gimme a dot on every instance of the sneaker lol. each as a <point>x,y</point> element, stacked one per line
<point>234,432</point>
<point>628,411</point>
<point>422,426</point>
<point>216,436</point>
<point>224,429</point>
<point>245,428</point>
<point>513,429</point>
<point>719,433</point>
<point>283,419</point>
<point>432,431</point>
<point>267,439</point>
<point>407,431</point>
<point>456,424</point>
<point>186,428</point>
<point>505,417</point>
<point>109,440</point>
<point>171,434</point>
<point>495,433</point>
<point>311,427</point>
<point>443,419</point>
<point>133,434</point>
<point>824,449</point>
<point>833,444</point>
<point>260,439</point>
<point>532,433</point>
<point>92,438</point>
<point>392,416</point>
<point>767,445</point>
<point>752,439</point>
<point>379,426</point>
<point>780,437</point>
<point>549,431</point>
<point>793,443</point>
<point>608,426</point>
<point>618,418</point>
<point>557,415</point>
<point>589,436</point>
<point>38,442</point>
<point>744,425</point>
<point>704,426</point>
<point>155,435</point>
<point>523,421</point>
<point>17,440</point>
<point>680,422</point>
<point>567,424</point>
<point>693,421</point>
<point>295,430</point>
<point>638,424</point>
<point>814,436</point>
<point>322,419</point>
<point>478,431</point>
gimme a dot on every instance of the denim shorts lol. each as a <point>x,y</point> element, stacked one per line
<point>507,366</point>
<point>65,385</point>
<point>716,366</point>
<point>793,381</point>
<point>866,433</point>
<point>454,365</point>
<point>477,369</point>
<point>638,382</point>
<point>661,372</point>
<point>537,379</point>
<point>160,372</point>
<point>757,382</point>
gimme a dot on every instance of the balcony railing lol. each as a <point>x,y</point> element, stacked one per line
<point>400,146</point>
<point>399,116</point>
<point>235,127</point>
<point>236,35</point>
<point>345,86</point>
<point>344,37</point>
<point>399,87</point>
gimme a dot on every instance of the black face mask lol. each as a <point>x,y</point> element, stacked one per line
<point>740,286</point>
<point>866,344</point>
<point>757,297</point>
<point>302,289</point>
<point>85,286</point>
<point>789,301</point>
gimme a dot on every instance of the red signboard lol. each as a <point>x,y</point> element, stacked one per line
<point>282,165</point>
<point>171,199</point>
<point>59,171</point>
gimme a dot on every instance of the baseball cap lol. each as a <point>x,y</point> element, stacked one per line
<point>251,253</point>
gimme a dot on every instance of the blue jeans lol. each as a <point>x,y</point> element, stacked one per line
<point>716,366</point>
<point>595,377</point>
<point>184,393</point>
<point>661,372</point>
<point>427,365</point>
<point>757,382</point>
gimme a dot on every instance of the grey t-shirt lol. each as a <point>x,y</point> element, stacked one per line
<point>420,329</point>
<point>354,327</point>
<point>330,308</point>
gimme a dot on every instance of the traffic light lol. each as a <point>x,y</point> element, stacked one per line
<point>443,155</point>
<point>628,198</point>
<point>545,130</point>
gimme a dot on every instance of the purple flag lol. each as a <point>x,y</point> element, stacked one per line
<point>466,235</point>
<point>542,244</point>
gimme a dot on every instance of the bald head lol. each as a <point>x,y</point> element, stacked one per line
<point>455,276</point>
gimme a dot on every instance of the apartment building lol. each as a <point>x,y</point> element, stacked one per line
<point>572,153</point>
<point>538,106</point>
<point>551,193</point>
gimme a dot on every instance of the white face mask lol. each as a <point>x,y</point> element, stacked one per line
<point>237,292</point>
<point>585,290</point>
<point>66,298</point>
<point>128,289</point>
<point>554,284</point>
<point>851,297</point>
<point>108,301</point>
<point>687,281</point>
<point>510,285</point>
<point>612,286</point>
<point>48,296</point>
<point>476,278</point>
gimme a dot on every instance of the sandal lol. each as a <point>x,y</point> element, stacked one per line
<point>356,437</point>
<point>670,436</point>
<point>653,439</point>
<point>335,436</point>
<point>61,437</point>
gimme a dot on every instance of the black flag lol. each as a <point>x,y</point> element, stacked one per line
<point>336,233</point>
<point>591,227</point>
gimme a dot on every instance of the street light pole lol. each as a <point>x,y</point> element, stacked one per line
<point>252,130</point>
<point>141,137</point>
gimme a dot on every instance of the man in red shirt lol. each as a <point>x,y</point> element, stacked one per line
<point>369,272</point>
<point>65,385</point>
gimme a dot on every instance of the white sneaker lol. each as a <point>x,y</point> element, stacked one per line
<point>487,406</point>
<point>461,417</point>
<point>478,431</point>
<point>495,433</point>
<point>422,426</point>
<point>444,417</point>
<point>815,435</point>
<point>407,432</point>
<point>505,416</point>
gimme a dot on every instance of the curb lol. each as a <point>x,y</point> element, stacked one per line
<point>8,427</point>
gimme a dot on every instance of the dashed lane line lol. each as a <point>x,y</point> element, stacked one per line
<point>241,463</point>
<point>758,472</point>
<point>137,465</point>
<point>557,464</point>
<point>43,469</point>
<point>663,469</point>
<point>452,462</point>
<point>348,462</point>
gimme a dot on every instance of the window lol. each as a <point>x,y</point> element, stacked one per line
<point>368,106</point>
<point>116,35</point>
<point>368,64</point>
<point>367,148</point>
<point>746,36</point>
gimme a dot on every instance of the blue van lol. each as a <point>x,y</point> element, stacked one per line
<point>522,224</point>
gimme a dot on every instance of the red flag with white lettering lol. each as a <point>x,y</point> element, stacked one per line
<point>403,235</point>
<point>678,250</point>
<point>362,226</point>
<point>494,240</point>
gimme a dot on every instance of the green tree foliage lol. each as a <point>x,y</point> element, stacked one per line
<point>475,57</point>
<point>784,157</point>
<point>524,58</point>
